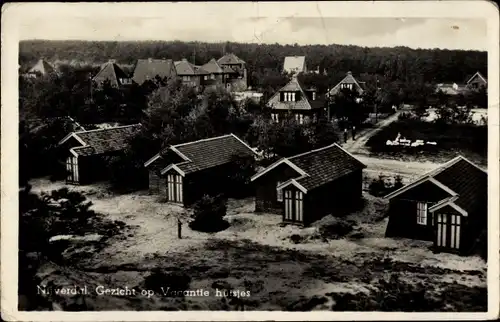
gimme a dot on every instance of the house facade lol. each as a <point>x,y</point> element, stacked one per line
<point>85,152</point>
<point>236,72</point>
<point>295,65</point>
<point>189,74</point>
<point>296,101</point>
<point>447,206</point>
<point>183,173</point>
<point>111,72</point>
<point>308,186</point>
<point>151,69</point>
<point>477,81</point>
<point>348,82</point>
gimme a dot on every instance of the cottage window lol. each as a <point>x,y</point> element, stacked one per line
<point>279,192</point>
<point>205,77</point>
<point>422,213</point>
<point>313,96</point>
<point>293,97</point>
<point>212,76</point>
<point>186,78</point>
<point>301,119</point>
<point>72,170</point>
<point>455,231</point>
<point>174,188</point>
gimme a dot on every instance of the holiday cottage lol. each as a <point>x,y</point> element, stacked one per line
<point>308,186</point>
<point>295,65</point>
<point>447,206</point>
<point>41,68</point>
<point>183,173</point>
<point>86,151</point>
<point>477,81</point>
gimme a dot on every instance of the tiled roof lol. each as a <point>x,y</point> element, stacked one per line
<point>102,140</point>
<point>302,104</point>
<point>468,181</point>
<point>212,67</point>
<point>110,71</point>
<point>207,153</point>
<point>294,64</point>
<point>230,59</point>
<point>477,74</point>
<point>349,79</point>
<point>183,67</point>
<point>325,165</point>
<point>42,67</point>
<point>148,69</point>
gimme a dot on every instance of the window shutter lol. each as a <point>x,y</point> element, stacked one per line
<point>297,96</point>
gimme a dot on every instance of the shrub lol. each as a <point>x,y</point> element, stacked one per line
<point>377,186</point>
<point>208,214</point>
<point>398,182</point>
<point>336,229</point>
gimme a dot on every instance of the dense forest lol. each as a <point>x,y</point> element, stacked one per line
<point>401,64</point>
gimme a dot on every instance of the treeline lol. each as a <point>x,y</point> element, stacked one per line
<point>390,64</point>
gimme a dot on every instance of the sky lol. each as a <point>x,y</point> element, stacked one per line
<point>254,22</point>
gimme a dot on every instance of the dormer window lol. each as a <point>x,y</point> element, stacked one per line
<point>293,97</point>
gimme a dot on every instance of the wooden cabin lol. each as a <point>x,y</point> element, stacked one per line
<point>348,82</point>
<point>183,173</point>
<point>477,81</point>
<point>86,150</point>
<point>447,206</point>
<point>308,186</point>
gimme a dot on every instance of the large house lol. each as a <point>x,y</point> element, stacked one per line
<point>151,69</point>
<point>183,173</point>
<point>41,68</point>
<point>236,79</point>
<point>477,81</point>
<point>85,151</point>
<point>296,101</point>
<point>447,206</point>
<point>295,65</point>
<point>111,72</point>
<point>348,82</point>
<point>308,186</point>
<point>190,74</point>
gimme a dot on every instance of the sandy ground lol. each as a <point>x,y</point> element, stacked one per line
<point>255,253</point>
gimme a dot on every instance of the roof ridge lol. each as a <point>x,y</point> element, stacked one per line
<point>311,151</point>
<point>109,128</point>
<point>202,140</point>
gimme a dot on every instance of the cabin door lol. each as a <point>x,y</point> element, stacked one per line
<point>448,231</point>
<point>294,206</point>
<point>72,170</point>
<point>174,188</point>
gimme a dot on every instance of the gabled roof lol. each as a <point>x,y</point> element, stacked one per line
<point>466,183</point>
<point>294,64</point>
<point>212,67</point>
<point>303,103</point>
<point>317,167</point>
<point>101,141</point>
<point>148,69</point>
<point>42,67</point>
<point>110,71</point>
<point>202,154</point>
<point>349,79</point>
<point>183,67</point>
<point>230,59</point>
<point>477,74</point>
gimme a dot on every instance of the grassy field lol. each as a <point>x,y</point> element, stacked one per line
<point>357,269</point>
<point>467,140</point>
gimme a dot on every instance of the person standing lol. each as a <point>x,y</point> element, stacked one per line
<point>354,132</point>
<point>345,135</point>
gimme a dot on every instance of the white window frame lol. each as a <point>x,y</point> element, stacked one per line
<point>293,97</point>
<point>422,213</point>
<point>212,76</point>
<point>205,77</point>
<point>455,227</point>
<point>279,192</point>
<point>174,188</point>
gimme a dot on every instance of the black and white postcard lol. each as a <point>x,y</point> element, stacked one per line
<point>250,161</point>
